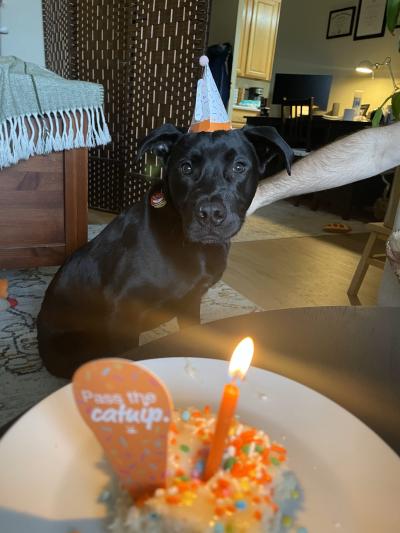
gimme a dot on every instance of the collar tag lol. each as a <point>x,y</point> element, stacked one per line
<point>158,200</point>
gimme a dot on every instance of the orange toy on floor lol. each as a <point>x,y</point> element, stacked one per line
<point>5,300</point>
<point>336,228</point>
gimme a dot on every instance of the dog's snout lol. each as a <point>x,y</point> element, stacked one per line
<point>211,212</point>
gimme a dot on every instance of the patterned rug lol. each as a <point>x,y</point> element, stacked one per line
<point>23,380</point>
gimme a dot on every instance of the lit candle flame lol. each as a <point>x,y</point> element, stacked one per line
<point>241,358</point>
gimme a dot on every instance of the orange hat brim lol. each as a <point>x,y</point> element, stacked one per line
<point>207,125</point>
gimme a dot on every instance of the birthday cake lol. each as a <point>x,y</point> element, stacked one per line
<point>253,491</point>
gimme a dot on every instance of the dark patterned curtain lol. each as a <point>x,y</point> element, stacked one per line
<point>145,54</point>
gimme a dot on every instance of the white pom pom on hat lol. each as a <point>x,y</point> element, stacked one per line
<point>203,61</point>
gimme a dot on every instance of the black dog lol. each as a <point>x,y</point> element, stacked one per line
<point>149,265</point>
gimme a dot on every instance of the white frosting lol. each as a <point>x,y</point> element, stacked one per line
<point>195,511</point>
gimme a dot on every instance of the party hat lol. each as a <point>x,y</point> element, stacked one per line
<point>209,111</point>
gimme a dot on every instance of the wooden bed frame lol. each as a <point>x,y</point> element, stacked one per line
<point>43,209</point>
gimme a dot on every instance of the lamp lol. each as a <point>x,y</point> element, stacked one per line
<point>367,67</point>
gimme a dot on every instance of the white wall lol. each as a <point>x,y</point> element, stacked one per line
<point>25,38</point>
<point>302,47</point>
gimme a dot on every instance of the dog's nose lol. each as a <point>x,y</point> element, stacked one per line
<point>211,212</point>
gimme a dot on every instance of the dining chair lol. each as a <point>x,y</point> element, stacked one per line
<point>296,123</point>
<point>295,127</point>
<point>378,231</point>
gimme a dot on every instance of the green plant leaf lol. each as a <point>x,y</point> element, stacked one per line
<point>392,14</point>
<point>377,117</point>
<point>396,105</point>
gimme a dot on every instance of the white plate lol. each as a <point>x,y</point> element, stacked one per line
<point>50,480</point>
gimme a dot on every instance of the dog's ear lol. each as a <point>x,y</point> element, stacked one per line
<point>267,143</point>
<point>160,141</point>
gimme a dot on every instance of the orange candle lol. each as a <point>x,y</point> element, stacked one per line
<point>226,413</point>
<point>240,362</point>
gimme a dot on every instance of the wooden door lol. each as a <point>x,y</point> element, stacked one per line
<point>262,39</point>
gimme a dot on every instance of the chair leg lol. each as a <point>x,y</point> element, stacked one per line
<point>315,201</point>
<point>362,266</point>
<point>348,201</point>
<point>297,200</point>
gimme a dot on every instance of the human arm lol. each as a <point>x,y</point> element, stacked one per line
<point>353,158</point>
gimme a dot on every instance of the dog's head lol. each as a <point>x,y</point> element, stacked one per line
<point>211,178</point>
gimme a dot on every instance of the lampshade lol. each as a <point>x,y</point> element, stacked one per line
<point>365,67</point>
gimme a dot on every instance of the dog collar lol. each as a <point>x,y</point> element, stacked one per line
<point>157,199</point>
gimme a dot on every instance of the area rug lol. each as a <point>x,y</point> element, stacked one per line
<point>23,379</point>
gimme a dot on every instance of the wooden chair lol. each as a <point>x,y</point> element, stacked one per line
<point>378,230</point>
<point>296,123</point>
<point>295,127</point>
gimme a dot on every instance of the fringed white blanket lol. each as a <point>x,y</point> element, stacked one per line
<point>41,112</point>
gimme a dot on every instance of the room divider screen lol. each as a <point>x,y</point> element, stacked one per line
<point>145,53</point>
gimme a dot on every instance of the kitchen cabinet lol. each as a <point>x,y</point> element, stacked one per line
<point>260,21</point>
<point>239,113</point>
<point>244,36</point>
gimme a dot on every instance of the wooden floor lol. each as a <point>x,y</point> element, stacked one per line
<point>99,217</point>
<point>300,271</point>
<point>295,272</point>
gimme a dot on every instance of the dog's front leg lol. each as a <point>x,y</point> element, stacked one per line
<point>124,326</point>
<point>189,314</point>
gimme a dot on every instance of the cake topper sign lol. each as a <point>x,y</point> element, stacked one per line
<point>129,410</point>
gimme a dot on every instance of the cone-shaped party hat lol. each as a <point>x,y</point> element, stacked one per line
<point>209,112</point>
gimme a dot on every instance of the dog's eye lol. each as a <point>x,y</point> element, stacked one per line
<point>186,168</point>
<point>239,167</point>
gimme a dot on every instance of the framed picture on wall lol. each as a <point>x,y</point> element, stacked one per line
<point>340,23</point>
<point>371,19</point>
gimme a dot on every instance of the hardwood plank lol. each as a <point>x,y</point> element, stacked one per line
<point>31,181</point>
<point>100,217</point>
<point>26,257</point>
<point>45,164</point>
<point>43,207</point>
<point>23,200</point>
<point>30,227</point>
<point>301,271</point>
<point>31,202</point>
<point>76,195</point>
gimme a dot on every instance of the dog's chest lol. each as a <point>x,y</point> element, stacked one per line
<point>197,269</point>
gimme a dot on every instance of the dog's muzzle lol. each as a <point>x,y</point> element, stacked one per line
<point>211,221</point>
<point>210,213</point>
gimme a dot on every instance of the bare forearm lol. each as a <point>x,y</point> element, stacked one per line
<point>353,158</point>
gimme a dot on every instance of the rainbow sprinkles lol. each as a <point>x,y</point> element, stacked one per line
<point>253,491</point>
